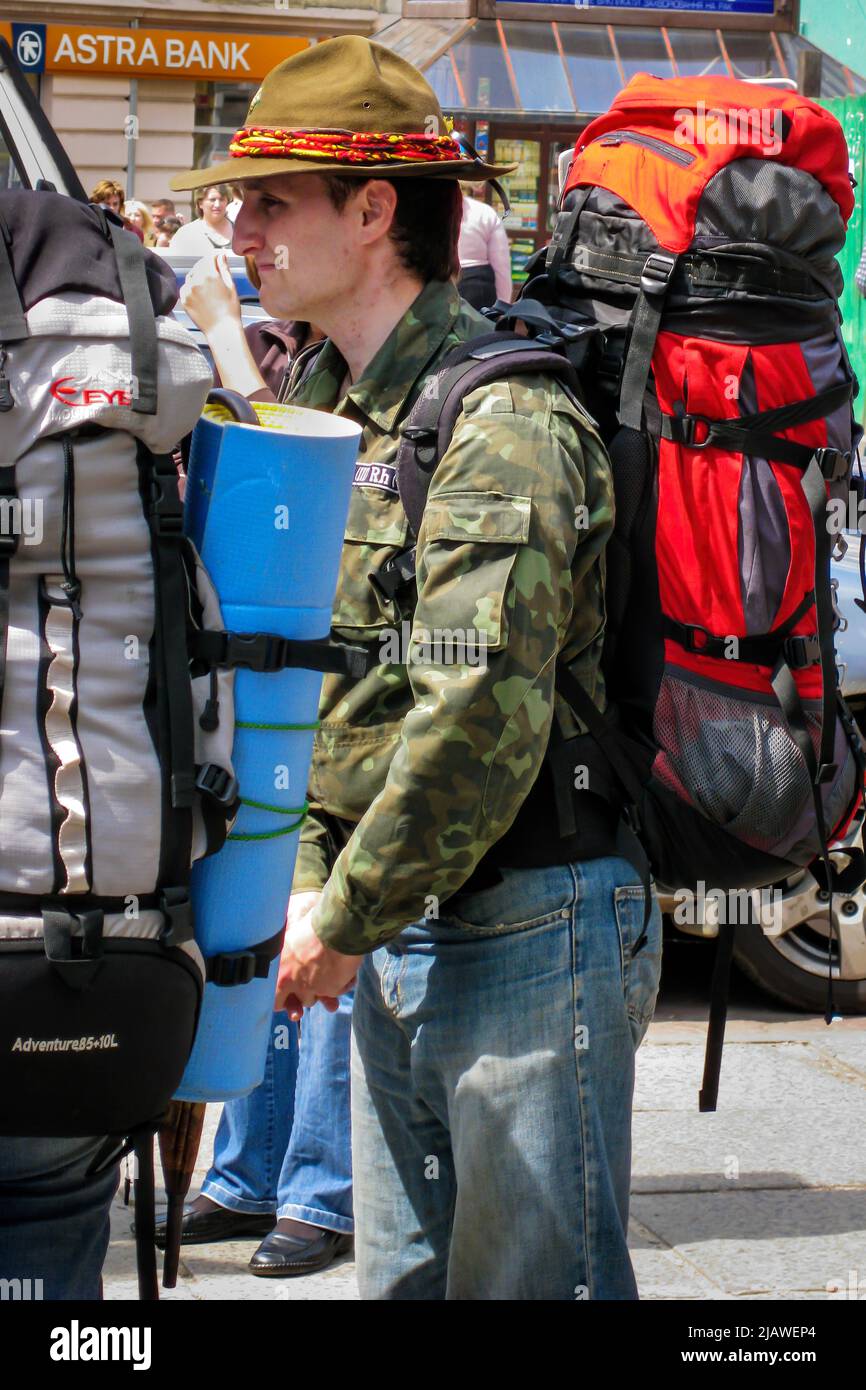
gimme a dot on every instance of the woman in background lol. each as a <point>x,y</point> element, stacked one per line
<point>211,231</point>
<point>139,215</point>
<point>484,253</point>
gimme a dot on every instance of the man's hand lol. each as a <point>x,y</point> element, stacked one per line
<point>209,296</point>
<point>310,972</point>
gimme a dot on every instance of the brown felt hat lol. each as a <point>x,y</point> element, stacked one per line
<point>347,85</point>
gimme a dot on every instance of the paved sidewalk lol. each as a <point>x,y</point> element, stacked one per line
<point>766,1199</point>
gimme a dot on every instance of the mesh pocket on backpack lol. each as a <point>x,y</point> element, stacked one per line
<point>733,758</point>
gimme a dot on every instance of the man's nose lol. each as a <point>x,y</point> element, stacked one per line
<point>246,239</point>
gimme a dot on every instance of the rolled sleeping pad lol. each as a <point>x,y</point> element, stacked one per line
<point>266,507</point>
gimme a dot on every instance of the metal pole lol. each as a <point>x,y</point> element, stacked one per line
<point>131,130</point>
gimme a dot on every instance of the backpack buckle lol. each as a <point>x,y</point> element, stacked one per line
<point>217,782</point>
<point>803,650</point>
<point>688,639</point>
<point>176,908</point>
<point>657,271</point>
<point>687,428</point>
<point>257,651</point>
<point>231,968</point>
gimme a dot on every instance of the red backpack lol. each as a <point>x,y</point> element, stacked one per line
<point>692,283</point>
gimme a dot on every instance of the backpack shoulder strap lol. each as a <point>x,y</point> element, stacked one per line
<point>427,433</point>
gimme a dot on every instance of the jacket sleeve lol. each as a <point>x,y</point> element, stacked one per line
<point>313,863</point>
<point>503,544</point>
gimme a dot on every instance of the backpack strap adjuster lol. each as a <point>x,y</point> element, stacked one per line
<point>833,463</point>
<point>176,908</point>
<point>217,782</point>
<point>687,636</point>
<point>803,650</point>
<point>231,968</point>
<point>657,271</point>
<point>391,577</point>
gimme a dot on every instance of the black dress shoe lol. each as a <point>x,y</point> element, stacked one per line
<point>281,1256</point>
<point>202,1227</point>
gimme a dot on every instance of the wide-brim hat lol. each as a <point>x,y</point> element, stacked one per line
<point>349,106</point>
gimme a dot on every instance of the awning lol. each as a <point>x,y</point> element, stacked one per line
<point>544,69</point>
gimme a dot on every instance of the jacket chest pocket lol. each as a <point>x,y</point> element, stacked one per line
<point>376,530</point>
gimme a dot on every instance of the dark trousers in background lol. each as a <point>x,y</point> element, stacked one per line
<point>477,285</point>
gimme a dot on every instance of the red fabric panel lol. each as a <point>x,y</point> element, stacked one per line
<point>697,525</point>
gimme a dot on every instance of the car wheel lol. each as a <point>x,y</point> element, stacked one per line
<point>793,965</point>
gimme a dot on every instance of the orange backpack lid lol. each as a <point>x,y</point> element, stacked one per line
<point>663,139</point>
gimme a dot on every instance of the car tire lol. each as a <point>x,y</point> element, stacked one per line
<point>760,959</point>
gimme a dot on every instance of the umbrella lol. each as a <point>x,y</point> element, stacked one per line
<point>179,1140</point>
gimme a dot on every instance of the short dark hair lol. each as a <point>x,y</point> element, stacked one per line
<point>426,221</point>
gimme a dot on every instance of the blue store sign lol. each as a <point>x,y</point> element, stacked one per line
<point>28,45</point>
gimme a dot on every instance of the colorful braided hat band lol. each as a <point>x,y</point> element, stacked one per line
<point>345,147</point>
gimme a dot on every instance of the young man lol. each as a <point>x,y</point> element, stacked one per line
<point>498,999</point>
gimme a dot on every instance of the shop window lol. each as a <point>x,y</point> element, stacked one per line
<point>483,73</point>
<point>643,50</point>
<point>220,110</point>
<point>538,69</point>
<point>697,53</point>
<point>440,75</point>
<point>524,193</point>
<point>752,55</point>
<point>591,67</point>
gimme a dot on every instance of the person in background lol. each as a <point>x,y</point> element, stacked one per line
<point>211,231</point>
<point>483,251</point>
<point>163,208</point>
<point>165,233</point>
<point>139,215</point>
<point>235,205</point>
<point>110,194</point>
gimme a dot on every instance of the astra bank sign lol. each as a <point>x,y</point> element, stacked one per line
<point>147,52</point>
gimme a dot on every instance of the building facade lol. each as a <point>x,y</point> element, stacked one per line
<point>139,91</point>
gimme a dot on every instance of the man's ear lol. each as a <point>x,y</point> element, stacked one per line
<point>378,204</point>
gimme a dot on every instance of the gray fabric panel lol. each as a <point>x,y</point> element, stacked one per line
<point>112,543</point>
<point>27,863</point>
<point>763,539</point>
<point>758,200</point>
<point>826,367</point>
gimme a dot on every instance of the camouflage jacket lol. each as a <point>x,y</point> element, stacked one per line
<point>431,753</point>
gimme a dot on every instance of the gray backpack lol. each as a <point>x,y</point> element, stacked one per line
<point>115,744</point>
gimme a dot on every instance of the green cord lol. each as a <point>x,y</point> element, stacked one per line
<point>244,724</point>
<point>299,811</point>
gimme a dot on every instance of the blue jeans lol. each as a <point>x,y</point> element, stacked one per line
<point>54,1219</point>
<point>287,1146</point>
<point>492,1081</point>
